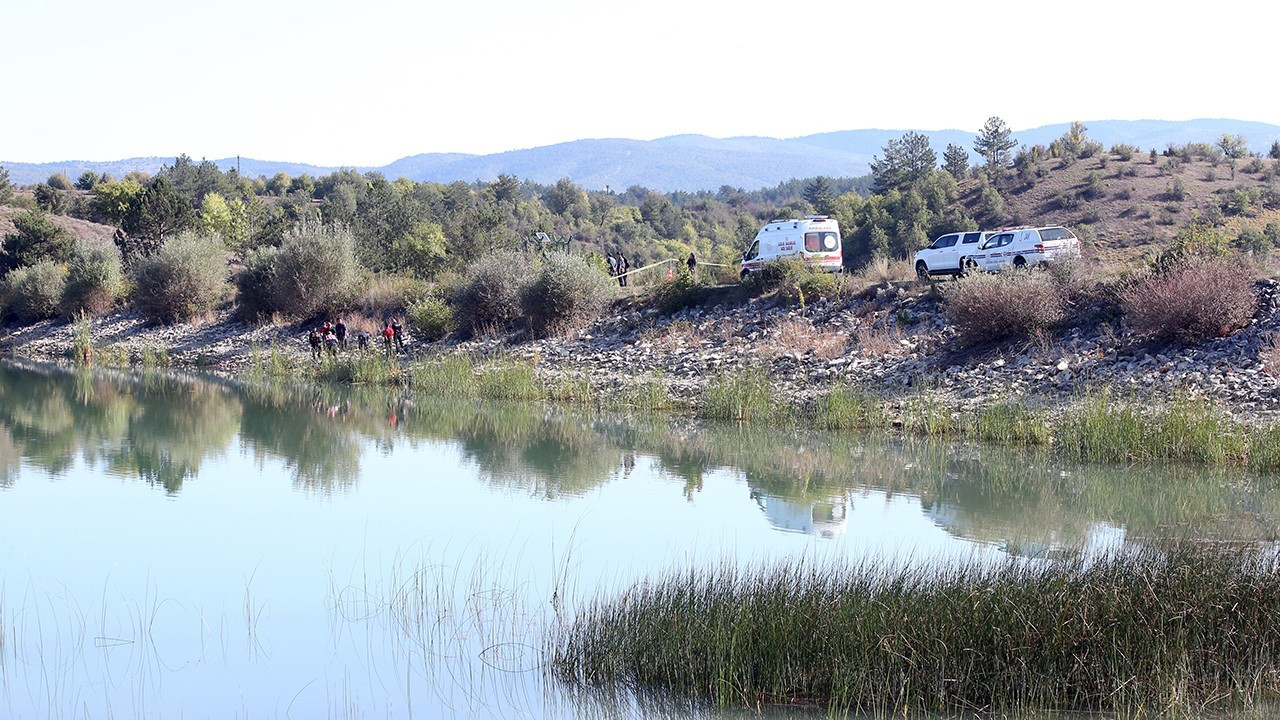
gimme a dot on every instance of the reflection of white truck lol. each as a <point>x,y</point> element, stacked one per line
<point>815,240</point>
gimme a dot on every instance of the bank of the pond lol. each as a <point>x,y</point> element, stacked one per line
<point>880,360</point>
<point>1182,629</point>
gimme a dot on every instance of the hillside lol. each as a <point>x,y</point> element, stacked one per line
<point>1124,208</point>
<point>687,162</point>
<point>82,229</point>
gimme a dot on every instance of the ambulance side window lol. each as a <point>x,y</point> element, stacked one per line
<point>753,252</point>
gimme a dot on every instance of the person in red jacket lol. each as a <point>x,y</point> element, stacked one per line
<point>387,334</point>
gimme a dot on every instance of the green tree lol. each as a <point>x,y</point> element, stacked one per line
<point>111,200</point>
<point>563,196</point>
<point>1274,154</point>
<point>994,143</point>
<point>230,220</point>
<point>88,180</point>
<point>1233,146</point>
<point>506,188</point>
<point>6,190</point>
<point>279,184</point>
<point>50,199</point>
<point>818,194</point>
<point>955,160</point>
<point>35,238</point>
<point>906,161</point>
<point>154,213</point>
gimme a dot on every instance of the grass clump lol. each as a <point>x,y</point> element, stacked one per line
<point>1104,428</point>
<point>1010,423</point>
<point>271,362</point>
<point>987,307</point>
<point>360,369</point>
<point>509,382</point>
<point>1148,630</point>
<point>453,376</point>
<point>745,396</point>
<point>848,408</point>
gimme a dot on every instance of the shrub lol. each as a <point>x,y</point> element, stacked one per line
<point>1198,298</point>
<point>95,280</point>
<point>255,284</point>
<point>431,318</point>
<point>680,292</point>
<point>999,306</point>
<point>1124,152</point>
<point>566,294</point>
<point>315,269</point>
<point>186,277</point>
<point>1176,190</point>
<point>33,292</point>
<point>490,295</point>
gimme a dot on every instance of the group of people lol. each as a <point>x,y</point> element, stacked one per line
<point>618,267</point>
<point>332,337</point>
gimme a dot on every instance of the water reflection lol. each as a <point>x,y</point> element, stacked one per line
<point>164,428</point>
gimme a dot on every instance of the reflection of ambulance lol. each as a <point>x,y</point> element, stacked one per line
<point>815,240</point>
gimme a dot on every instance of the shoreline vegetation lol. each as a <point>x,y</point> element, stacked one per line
<point>1096,424</point>
<point>1148,631</point>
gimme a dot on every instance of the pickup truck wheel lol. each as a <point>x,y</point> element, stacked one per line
<point>1020,262</point>
<point>922,270</point>
<point>744,275</point>
<point>970,265</point>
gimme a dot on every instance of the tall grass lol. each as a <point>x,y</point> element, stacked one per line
<point>360,369</point>
<point>1105,428</point>
<point>1145,631</point>
<point>453,376</point>
<point>848,408</point>
<point>745,396</point>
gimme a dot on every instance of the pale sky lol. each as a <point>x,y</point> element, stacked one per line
<point>366,83</point>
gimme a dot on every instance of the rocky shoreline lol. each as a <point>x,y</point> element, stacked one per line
<point>893,340</point>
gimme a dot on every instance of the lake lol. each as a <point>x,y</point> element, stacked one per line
<point>175,545</point>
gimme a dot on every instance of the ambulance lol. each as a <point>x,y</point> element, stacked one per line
<point>815,239</point>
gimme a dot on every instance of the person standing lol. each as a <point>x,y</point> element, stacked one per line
<point>693,265</point>
<point>387,334</point>
<point>397,332</point>
<point>613,265</point>
<point>340,330</point>
<point>622,269</point>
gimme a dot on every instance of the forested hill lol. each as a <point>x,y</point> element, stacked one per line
<point>685,162</point>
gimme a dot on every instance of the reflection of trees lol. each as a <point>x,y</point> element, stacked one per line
<point>316,431</point>
<point>163,427</point>
<point>549,453</point>
<point>176,427</point>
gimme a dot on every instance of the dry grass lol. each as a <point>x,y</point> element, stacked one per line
<point>877,341</point>
<point>797,335</point>
<point>1269,356</point>
<point>882,270</point>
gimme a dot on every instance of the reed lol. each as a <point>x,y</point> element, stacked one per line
<point>360,369</point>
<point>453,376</point>
<point>848,408</point>
<point>745,396</point>
<point>82,341</point>
<point>1104,428</point>
<point>509,382</point>
<point>1179,628</point>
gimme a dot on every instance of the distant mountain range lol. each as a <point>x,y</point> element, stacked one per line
<point>690,162</point>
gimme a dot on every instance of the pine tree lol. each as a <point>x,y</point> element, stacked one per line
<point>994,143</point>
<point>818,194</point>
<point>955,160</point>
<point>907,161</point>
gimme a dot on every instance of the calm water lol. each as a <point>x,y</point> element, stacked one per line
<point>172,546</point>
